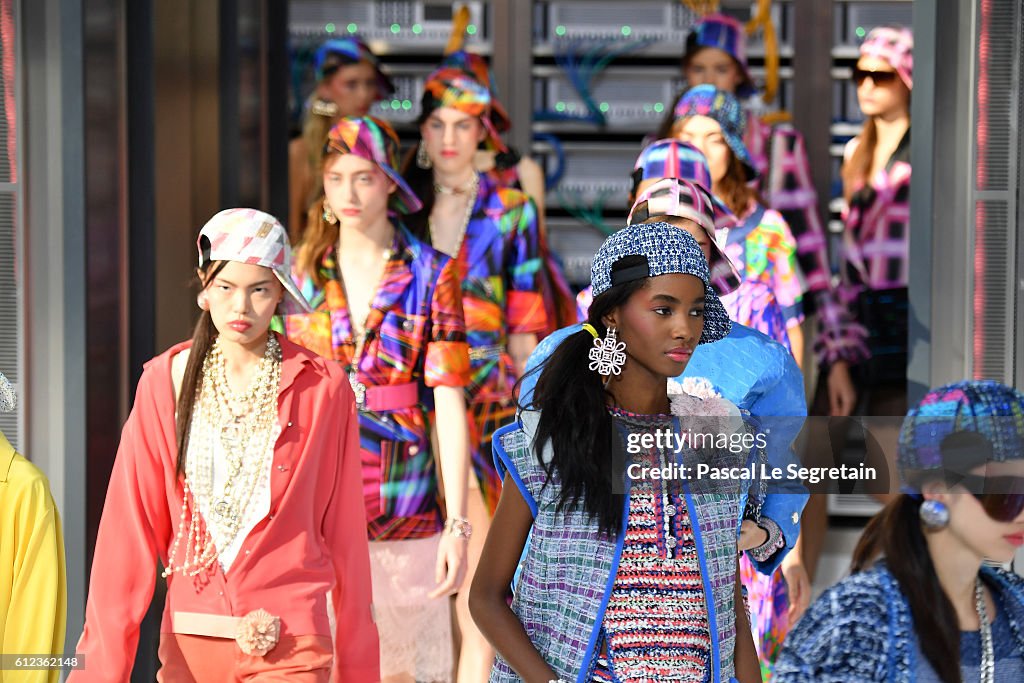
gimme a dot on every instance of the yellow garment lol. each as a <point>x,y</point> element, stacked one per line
<point>33,587</point>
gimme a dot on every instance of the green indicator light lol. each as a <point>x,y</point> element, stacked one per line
<point>559,30</point>
<point>471,29</point>
<point>860,32</point>
<point>407,104</point>
<point>395,28</point>
<point>417,29</point>
<point>604,107</point>
<point>626,30</point>
<point>352,28</point>
<point>329,28</point>
<point>396,104</point>
<point>384,104</point>
<point>647,108</point>
<point>560,106</point>
<point>659,107</point>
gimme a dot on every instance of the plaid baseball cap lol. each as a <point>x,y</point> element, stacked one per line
<point>374,140</point>
<point>894,44</point>
<point>459,89</point>
<point>724,33</point>
<point>339,52</point>
<point>671,158</point>
<point>676,197</point>
<point>991,412</point>
<point>709,101</point>
<point>666,249</point>
<point>253,237</point>
<point>8,399</point>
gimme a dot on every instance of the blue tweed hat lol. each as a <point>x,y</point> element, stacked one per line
<point>991,412</point>
<point>667,250</point>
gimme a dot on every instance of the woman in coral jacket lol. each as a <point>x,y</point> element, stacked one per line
<point>246,487</point>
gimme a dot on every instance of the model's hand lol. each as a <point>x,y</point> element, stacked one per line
<point>842,397</point>
<point>799,585</point>
<point>751,535</point>
<point>450,569</point>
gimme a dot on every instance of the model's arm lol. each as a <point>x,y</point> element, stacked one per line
<point>488,596</point>
<point>748,670</point>
<point>453,444</point>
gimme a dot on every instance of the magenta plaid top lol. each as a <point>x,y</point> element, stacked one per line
<point>875,255</point>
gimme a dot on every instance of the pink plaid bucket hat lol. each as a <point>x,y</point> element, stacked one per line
<point>894,44</point>
<point>253,237</point>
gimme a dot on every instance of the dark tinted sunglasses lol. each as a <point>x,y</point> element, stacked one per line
<point>1001,497</point>
<point>877,77</point>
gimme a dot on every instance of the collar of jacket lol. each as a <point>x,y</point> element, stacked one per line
<point>6,458</point>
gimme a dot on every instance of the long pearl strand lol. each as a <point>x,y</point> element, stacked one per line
<point>245,427</point>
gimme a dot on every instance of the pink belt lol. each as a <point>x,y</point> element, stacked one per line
<point>383,398</point>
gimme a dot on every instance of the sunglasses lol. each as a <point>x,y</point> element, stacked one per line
<point>877,77</point>
<point>1001,497</point>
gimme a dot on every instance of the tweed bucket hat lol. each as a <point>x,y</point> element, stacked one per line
<point>8,399</point>
<point>665,249</point>
<point>681,198</point>
<point>987,415</point>
<point>254,237</point>
<point>723,107</point>
<point>374,140</point>
<point>724,33</point>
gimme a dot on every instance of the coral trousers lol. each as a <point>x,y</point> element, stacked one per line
<point>202,659</point>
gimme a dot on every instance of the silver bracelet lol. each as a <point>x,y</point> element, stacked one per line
<point>775,540</point>
<point>459,527</point>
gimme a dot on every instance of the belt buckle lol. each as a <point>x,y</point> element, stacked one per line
<point>358,388</point>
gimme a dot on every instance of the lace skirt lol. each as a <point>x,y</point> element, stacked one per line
<point>415,631</point>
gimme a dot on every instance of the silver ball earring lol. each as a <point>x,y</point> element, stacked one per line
<point>934,515</point>
<point>608,354</point>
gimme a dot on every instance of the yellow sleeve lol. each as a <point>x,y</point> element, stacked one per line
<point>38,603</point>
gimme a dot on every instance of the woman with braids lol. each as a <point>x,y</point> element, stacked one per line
<point>925,603</point>
<point>348,82</point>
<point>389,311</point>
<point>492,235</point>
<point>238,470</point>
<point>608,542</point>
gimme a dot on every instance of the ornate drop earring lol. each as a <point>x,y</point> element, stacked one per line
<point>608,355</point>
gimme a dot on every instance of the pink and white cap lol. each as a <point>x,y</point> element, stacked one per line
<point>895,45</point>
<point>253,237</point>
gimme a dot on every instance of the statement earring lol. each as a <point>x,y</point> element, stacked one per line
<point>608,355</point>
<point>202,301</point>
<point>422,160</point>
<point>934,515</point>
<point>329,216</point>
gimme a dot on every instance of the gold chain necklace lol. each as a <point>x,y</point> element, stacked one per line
<point>473,188</point>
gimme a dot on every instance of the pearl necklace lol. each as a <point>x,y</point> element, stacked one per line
<point>471,190</point>
<point>245,428</point>
<point>988,655</point>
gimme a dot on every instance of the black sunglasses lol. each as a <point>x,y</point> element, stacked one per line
<point>1001,497</point>
<point>877,77</point>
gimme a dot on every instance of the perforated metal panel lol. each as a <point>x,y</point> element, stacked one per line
<point>855,19</point>
<point>995,193</point>
<point>10,313</point>
<point>389,25</point>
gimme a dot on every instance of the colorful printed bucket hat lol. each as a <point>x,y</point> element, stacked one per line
<point>374,140</point>
<point>475,65</point>
<point>676,197</point>
<point>254,237</point>
<point>707,100</point>
<point>666,249</point>
<point>459,89</point>
<point>338,52</point>
<point>728,34</point>
<point>895,45</point>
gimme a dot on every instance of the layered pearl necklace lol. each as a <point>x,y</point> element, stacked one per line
<point>243,428</point>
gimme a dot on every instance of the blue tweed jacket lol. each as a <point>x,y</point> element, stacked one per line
<point>568,572</point>
<point>861,630</point>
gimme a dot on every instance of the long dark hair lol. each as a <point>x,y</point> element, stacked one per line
<point>203,336</point>
<point>575,420</point>
<point>896,533</point>
<point>421,180</point>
